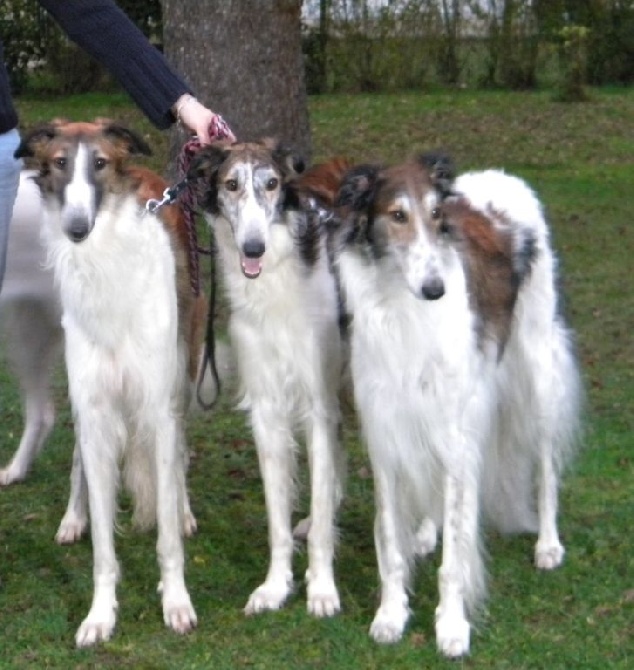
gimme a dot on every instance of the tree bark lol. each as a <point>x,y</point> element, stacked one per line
<point>244,60</point>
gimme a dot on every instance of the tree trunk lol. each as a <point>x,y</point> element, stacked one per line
<point>244,60</point>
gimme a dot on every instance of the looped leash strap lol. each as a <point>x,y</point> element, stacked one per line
<point>218,130</point>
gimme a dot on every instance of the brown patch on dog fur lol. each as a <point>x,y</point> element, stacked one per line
<point>322,181</point>
<point>488,254</point>
<point>193,309</point>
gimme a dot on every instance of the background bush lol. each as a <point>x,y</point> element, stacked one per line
<point>353,46</point>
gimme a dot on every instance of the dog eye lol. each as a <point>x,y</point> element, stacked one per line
<point>435,213</point>
<point>399,216</point>
<point>100,163</point>
<point>60,162</point>
<point>271,184</point>
<point>231,185</point>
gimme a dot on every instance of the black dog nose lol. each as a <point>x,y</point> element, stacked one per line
<point>78,229</point>
<point>253,248</point>
<point>433,289</point>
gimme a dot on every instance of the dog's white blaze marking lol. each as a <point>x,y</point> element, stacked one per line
<point>248,216</point>
<point>419,259</point>
<point>80,191</point>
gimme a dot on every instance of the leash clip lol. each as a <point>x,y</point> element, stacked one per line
<point>169,195</point>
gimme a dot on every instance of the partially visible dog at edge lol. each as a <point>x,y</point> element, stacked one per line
<point>284,327</point>
<point>463,368</point>
<point>30,314</point>
<point>132,328</point>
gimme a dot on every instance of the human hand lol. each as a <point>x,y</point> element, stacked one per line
<point>196,117</point>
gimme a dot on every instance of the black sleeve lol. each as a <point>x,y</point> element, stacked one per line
<point>103,30</point>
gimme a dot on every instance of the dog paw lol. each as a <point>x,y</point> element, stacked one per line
<point>269,596</point>
<point>190,525</point>
<point>300,532</point>
<point>323,600</point>
<point>70,529</point>
<point>426,538</point>
<point>549,557</point>
<point>98,626</point>
<point>389,624</point>
<point>11,475</point>
<point>179,615</point>
<point>452,635</point>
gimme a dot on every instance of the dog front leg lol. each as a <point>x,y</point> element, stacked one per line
<point>275,453</point>
<point>323,597</point>
<point>393,613</point>
<point>452,627</point>
<point>178,612</point>
<point>99,460</point>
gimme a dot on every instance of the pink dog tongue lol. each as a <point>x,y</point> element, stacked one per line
<point>251,266</point>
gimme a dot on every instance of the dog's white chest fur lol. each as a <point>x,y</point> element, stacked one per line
<point>281,321</point>
<point>121,278</point>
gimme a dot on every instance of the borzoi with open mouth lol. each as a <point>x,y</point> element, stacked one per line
<point>131,325</point>
<point>285,330</point>
<point>463,371</point>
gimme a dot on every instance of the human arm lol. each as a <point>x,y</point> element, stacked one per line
<point>104,31</point>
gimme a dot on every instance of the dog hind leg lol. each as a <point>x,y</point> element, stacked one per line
<point>75,519</point>
<point>34,337</point>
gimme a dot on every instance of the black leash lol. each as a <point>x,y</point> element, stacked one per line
<point>209,352</point>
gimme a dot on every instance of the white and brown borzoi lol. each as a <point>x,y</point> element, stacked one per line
<point>463,371</point>
<point>131,323</point>
<point>284,329</point>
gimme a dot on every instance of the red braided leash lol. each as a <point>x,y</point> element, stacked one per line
<point>218,130</point>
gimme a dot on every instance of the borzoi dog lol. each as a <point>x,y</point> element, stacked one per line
<point>463,371</point>
<point>30,312</point>
<point>284,328</point>
<point>131,324</point>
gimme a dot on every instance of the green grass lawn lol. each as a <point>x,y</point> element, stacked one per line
<point>580,159</point>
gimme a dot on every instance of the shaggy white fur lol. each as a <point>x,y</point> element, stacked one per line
<point>455,424</point>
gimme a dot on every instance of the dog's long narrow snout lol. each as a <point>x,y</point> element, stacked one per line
<point>80,198</point>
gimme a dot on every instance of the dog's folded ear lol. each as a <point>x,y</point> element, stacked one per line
<point>442,170</point>
<point>358,187</point>
<point>202,173</point>
<point>290,162</point>
<point>206,162</point>
<point>33,141</point>
<point>134,144</point>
